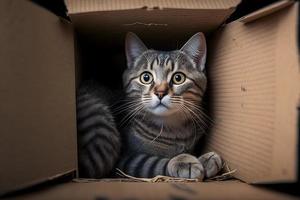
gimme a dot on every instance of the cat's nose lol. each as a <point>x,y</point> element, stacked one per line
<point>161,90</point>
<point>161,94</point>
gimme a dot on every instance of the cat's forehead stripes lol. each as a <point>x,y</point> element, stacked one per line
<point>161,60</point>
<point>161,66</point>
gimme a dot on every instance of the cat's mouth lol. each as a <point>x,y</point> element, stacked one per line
<point>159,109</point>
<point>160,104</point>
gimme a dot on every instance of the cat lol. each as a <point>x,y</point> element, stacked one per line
<point>99,140</point>
<point>162,119</point>
<point>164,90</point>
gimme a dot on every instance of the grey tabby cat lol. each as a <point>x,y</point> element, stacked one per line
<point>98,138</point>
<point>164,91</point>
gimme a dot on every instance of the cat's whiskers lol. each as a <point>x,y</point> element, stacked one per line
<point>193,103</point>
<point>194,131</point>
<point>131,114</point>
<point>129,102</point>
<point>200,110</point>
<point>126,107</point>
<point>187,117</point>
<point>136,111</point>
<point>195,119</point>
<point>196,115</point>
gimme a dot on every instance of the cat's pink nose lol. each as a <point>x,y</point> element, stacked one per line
<point>161,95</point>
<point>161,90</point>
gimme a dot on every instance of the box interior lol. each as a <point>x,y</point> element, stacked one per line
<point>258,49</point>
<point>100,39</point>
<point>244,66</point>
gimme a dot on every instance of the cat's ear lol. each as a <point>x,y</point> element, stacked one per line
<point>195,47</point>
<point>134,47</point>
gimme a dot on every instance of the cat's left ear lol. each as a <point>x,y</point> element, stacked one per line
<point>134,47</point>
<point>195,47</point>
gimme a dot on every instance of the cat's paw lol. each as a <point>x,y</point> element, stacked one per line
<point>185,166</point>
<point>212,164</point>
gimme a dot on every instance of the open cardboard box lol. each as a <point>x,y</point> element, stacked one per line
<point>254,89</point>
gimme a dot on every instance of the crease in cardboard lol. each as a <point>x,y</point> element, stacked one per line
<point>152,8</point>
<point>145,24</point>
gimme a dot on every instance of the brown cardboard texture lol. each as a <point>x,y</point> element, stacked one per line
<point>86,6</point>
<point>227,190</point>
<point>254,76</point>
<point>112,19</point>
<point>254,89</point>
<point>37,95</point>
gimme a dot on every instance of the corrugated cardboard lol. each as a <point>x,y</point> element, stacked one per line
<point>230,190</point>
<point>37,96</point>
<point>254,78</point>
<point>112,19</point>
<point>85,6</point>
<point>254,82</point>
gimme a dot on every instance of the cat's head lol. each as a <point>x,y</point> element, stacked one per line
<point>165,82</point>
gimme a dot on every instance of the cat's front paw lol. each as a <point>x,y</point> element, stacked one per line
<point>185,166</point>
<point>212,164</point>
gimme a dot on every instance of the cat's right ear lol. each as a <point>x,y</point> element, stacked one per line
<point>134,47</point>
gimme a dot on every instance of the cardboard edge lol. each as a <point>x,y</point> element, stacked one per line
<point>266,11</point>
<point>227,12</point>
<point>86,7</point>
<point>60,10</point>
<point>70,173</point>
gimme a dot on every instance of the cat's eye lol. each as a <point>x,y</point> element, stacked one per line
<point>146,78</point>
<point>178,78</point>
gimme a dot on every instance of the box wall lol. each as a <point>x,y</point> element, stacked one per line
<point>254,79</point>
<point>37,95</point>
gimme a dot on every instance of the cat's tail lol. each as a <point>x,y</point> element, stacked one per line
<point>98,138</point>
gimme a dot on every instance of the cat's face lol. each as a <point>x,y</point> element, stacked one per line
<point>165,83</point>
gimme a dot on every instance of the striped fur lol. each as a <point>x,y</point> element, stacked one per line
<point>166,117</point>
<point>98,138</point>
<point>161,118</point>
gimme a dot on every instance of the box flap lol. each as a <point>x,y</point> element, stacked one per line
<point>233,190</point>
<point>266,11</point>
<point>82,6</point>
<point>107,22</point>
<point>37,95</point>
<point>254,80</point>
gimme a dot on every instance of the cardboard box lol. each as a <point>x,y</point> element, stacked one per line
<point>253,87</point>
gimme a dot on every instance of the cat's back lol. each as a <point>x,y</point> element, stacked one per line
<point>98,138</point>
